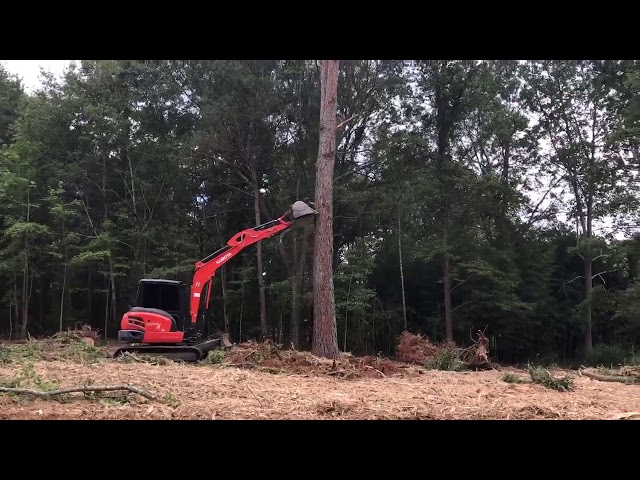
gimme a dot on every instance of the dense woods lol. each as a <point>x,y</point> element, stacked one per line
<point>466,195</point>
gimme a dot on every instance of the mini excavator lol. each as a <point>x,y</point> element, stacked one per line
<point>159,323</point>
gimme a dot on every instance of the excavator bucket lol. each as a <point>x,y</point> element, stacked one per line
<point>301,209</point>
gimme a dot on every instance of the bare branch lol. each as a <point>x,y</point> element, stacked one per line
<point>229,164</point>
<point>599,274</point>
<point>462,305</point>
<point>96,388</point>
<point>342,124</point>
<point>463,281</point>
<point>532,217</point>
<point>565,283</point>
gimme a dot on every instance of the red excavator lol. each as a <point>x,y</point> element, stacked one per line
<point>159,323</point>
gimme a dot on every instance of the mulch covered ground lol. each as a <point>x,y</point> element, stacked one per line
<point>263,382</point>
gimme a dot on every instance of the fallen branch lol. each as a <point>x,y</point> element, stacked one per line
<point>609,378</point>
<point>62,391</point>
<point>369,367</point>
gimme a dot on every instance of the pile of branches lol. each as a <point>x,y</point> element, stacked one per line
<point>271,357</point>
<point>83,334</point>
<point>477,355</point>
<point>416,349</point>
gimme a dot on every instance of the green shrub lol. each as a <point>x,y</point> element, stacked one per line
<point>447,360</point>
<point>609,355</point>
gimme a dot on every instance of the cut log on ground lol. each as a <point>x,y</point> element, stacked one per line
<point>611,378</point>
<point>96,388</point>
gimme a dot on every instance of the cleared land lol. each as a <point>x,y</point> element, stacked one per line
<point>262,382</point>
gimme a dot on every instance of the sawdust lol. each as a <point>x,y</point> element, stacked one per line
<point>223,392</point>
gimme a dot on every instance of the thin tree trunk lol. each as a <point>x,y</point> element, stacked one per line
<point>446,278</point>
<point>15,300</point>
<point>295,313</point>
<point>263,295</point>
<point>404,303</point>
<point>241,310</point>
<point>346,316</point>
<point>90,296</point>
<point>106,310</point>
<point>10,316</point>
<point>25,277</point>
<point>224,299</point>
<point>223,281</point>
<point>325,336</point>
<point>297,287</point>
<point>64,283</point>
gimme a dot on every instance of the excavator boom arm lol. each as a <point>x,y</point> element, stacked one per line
<point>207,267</point>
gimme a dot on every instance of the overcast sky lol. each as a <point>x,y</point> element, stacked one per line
<point>29,70</point>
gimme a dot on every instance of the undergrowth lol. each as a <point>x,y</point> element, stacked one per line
<point>51,349</point>
<point>214,357</point>
<point>611,356</point>
<point>511,378</point>
<point>446,360</point>
<point>27,377</point>
<point>5,355</point>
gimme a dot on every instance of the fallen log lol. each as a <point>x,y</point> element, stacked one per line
<point>96,388</point>
<point>610,378</point>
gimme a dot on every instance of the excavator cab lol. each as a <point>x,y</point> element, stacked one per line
<point>170,296</point>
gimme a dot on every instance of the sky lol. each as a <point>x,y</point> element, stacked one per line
<point>29,70</point>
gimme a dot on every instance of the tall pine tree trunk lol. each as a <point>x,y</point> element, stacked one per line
<point>325,335</point>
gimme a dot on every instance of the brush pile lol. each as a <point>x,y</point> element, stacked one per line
<point>270,357</point>
<point>415,349</point>
<point>84,334</point>
<point>418,350</point>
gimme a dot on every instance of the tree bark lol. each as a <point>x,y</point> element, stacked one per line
<point>325,335</point>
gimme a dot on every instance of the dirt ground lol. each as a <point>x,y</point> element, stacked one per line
<point>300,386</point>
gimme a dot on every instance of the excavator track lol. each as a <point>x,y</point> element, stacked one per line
<point>187,353</point>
